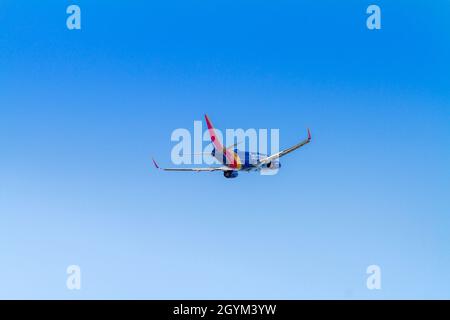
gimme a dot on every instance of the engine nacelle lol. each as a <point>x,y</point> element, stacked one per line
<point>273,165</point>
<point>230,174</point>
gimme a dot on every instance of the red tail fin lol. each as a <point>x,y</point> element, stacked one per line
<point>212,133</point>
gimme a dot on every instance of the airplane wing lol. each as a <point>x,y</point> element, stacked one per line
<point>209,169</point>
<point>285,152</point>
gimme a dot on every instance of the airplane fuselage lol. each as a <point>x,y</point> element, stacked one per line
<point>244,160</point>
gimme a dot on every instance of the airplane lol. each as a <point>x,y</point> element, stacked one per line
<point>234,161</point>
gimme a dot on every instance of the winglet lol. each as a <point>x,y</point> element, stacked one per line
<point>156,165</point>
<point>309,135</point>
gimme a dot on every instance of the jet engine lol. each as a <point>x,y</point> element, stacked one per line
<point>230,174</point>
<point>273,165</point>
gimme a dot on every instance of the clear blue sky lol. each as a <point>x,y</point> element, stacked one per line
<point>82,112</point>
